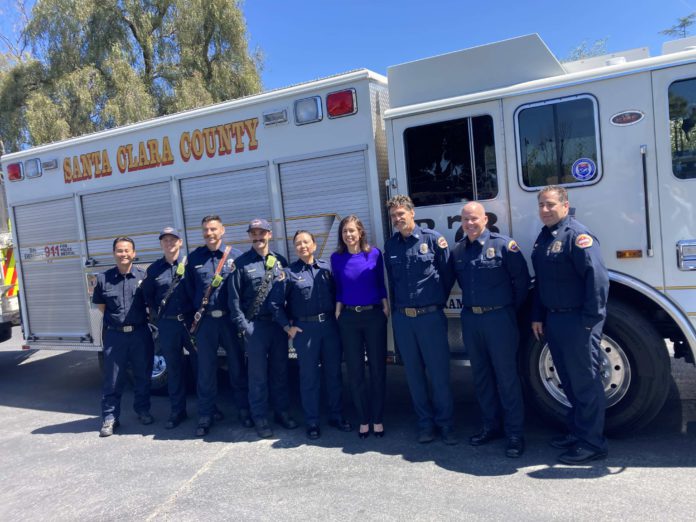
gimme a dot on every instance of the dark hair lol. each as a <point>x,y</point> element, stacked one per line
<point>342,247</point>
<point>121,239</point>
<point>212,217</point>
<point>560,191</point>
<point>400,200</point>
<point>303,232</point>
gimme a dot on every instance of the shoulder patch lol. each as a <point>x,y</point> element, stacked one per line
<point>583,241</point>
<point>512,246</point>
<point>442,242</point>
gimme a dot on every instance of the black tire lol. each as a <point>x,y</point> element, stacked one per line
<point>158,382</point>
<point>638,377</point>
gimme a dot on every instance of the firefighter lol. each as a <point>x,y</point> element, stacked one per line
<point>212,326</point>
<point>265,342</point>
<point>309,319</point>
<point>494,279</point>
<point>171,313</point>
<point>420,279</point>
<point>126,337</point>
<point>569,311</point>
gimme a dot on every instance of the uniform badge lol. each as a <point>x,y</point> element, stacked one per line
<point>490,253</point>
<point>424,248</point>
<point>512,246</point>
<point>230,265</point>
<point>442,242</point>
<point>556,247</point>
<point>583,241</point>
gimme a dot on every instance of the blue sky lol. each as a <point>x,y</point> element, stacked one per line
<point>307,39</point>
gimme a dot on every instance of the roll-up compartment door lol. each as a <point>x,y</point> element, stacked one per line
<point>53,284</point>
<point>318,193</point>
<point>136,212</point>
<point>237,197</point>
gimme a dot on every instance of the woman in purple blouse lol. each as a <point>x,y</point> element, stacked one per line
<point>362,310</point>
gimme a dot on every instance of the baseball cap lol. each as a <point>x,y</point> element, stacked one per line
<point>169,231</point>
<point>259,223</point>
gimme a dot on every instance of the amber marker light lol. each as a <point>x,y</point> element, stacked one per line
<point>629,254</point>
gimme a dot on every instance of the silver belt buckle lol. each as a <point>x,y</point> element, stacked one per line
<point>321,317</point>
<point>358,308</point>
<point>477,309</point>
<point>216,314</point>
<point>128,329</point>
<point>180,317</point>
<point>411,312</point>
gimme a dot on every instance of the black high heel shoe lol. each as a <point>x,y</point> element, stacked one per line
<point>364,434</point>
<point>378,434</point>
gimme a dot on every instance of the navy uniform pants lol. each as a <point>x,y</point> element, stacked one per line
<point>365,333</point>
<point>120,350</point>
<point>318,348</point>
<point>491,340</point>
<point>173,336</point>
<point>576,357</point>
<point>422,343</point>
<point>212,333</point>
<point>267,355</point>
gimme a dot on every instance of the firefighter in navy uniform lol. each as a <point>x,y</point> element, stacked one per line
<point>126,337</point>
<point>569,310</point>
<point>494,279</point>
<point>309,319</point>
<point>265,342</point>
<point>420,279</point>
<point>212,326</point>
<point>171,312</point>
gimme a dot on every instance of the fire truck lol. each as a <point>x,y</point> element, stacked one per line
<point>9,297</point>
<point>493,123</point>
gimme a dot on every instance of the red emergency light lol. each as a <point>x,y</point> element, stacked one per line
<point>15,172</point>
<point>341,103</point>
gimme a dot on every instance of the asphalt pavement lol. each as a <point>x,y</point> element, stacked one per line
<point>53,465</point>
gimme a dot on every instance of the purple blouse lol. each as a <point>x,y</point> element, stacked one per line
<point>359,277</point>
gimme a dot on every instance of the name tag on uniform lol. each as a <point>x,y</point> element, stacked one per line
<point>198,266</point>
<point>251,270</point>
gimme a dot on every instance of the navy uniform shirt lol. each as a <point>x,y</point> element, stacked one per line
<point>123,297</point>
<point>243,286</point>
<point>200,270</point>
<point>418,269</point>
<point>570,272</point>
<point>160,275</point>
<point>308,290</point>
<point>491,271</point>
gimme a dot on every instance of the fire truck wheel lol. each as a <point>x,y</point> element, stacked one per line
<point>158,383</point>
<point>635,372</point>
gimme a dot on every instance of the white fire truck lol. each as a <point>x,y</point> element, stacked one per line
<point>492,123</point>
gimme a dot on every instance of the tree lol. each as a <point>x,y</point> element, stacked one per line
<point>583,50</point>
<point>96,64</point>
<point>681,28</point>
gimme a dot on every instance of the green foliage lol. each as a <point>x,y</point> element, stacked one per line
<point>681,28</point>
<point>585,50</point>
<point>96,64</point>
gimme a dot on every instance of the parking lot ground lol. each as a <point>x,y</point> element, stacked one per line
<point>55,467</point>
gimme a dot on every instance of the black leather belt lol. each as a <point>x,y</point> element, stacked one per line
<point>360,308</point>
<point>315,318</point>
<point>483,309</point>
<point>126,328</point>
<point>562,310</point>
<point>415,312</point>
<point>180,317</point>
<point>216,313</point>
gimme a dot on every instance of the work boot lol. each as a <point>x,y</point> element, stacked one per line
<point>108,427</point>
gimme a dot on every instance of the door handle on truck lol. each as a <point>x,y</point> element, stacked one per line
<point>644,161</point>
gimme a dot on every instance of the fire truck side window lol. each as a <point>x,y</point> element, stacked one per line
<point>682,127</point>
<point>558,142</point>
<point>441,167</point>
